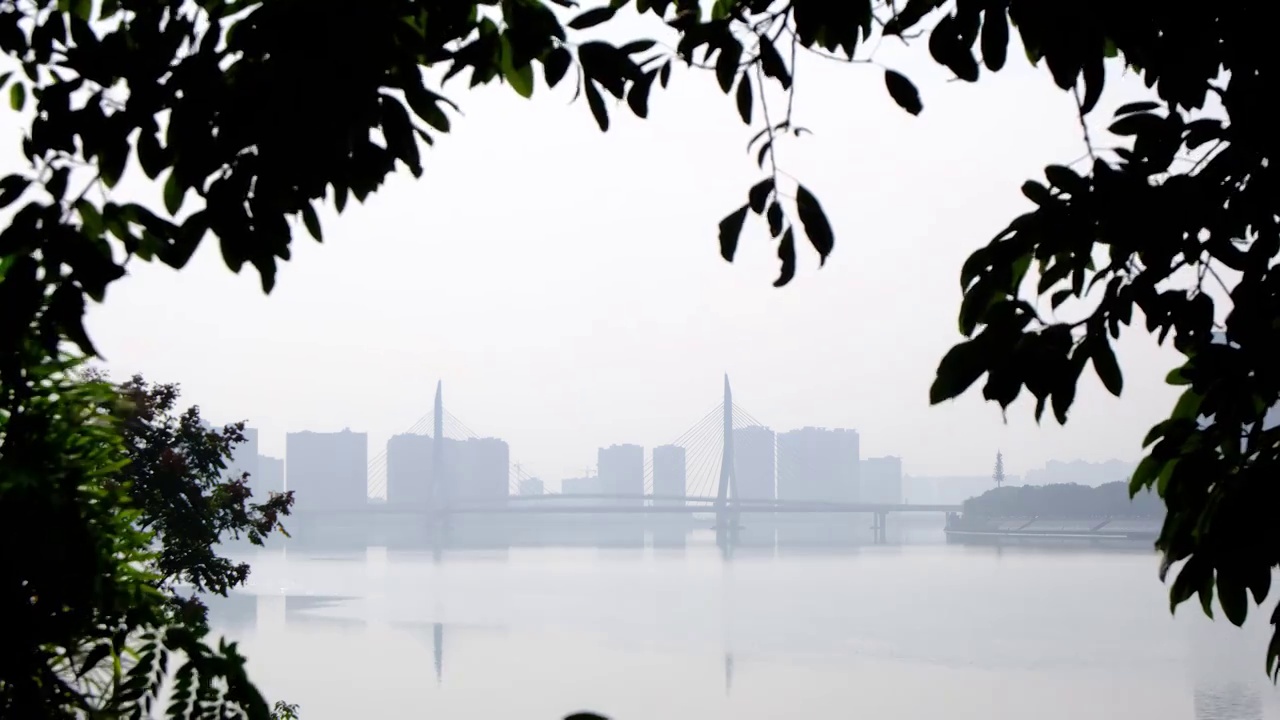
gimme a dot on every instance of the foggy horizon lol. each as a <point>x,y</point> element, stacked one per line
<point>578,312</point>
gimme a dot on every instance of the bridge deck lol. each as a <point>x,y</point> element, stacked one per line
<point>661,505</point>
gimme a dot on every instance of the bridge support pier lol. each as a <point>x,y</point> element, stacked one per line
<point>881,518</point>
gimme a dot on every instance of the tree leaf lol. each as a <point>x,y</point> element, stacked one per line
<point>995,38</point>
<point>312,222</point>
<point>555,65</point>
<point>520,78</point>
<point>775,218</point>
<point>787,254</point>
<point>174,194</point>
<point>1104,363</point>
<point>727,63</point>
<point>596,103</point>
<point>730,230</point>
<point>814,219</point>
<point>95,656</point>
<point>1136,107</point>
<point>959,370</point>
<point>638,95</point>
<point>1233,598</point>
<point>11,188</point>
<point>744,98</point>
<point>592,17</point>
<point>17,96</point>
<point>759,195</point>
<point>903,92</point>
<point>772,65</point>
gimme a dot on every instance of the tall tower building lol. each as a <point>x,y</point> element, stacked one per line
<point>409,480</point>
<point>669,474</point>
<point>819,465</point>
<point>327,471</point>
<point>754,462</point>
<point>881,481</point>
<point>484,471</point>
<point>621,471</point>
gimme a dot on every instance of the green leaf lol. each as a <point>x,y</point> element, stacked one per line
<point>555,65</point>
<point>744,98</point>
<point>1104,363</point>
<point>730,230</point>
<point>787,254</point>
<point>17,96</point>
<point>82,9</point>
<point>1145,474</point>
<point>959,370</point>
<point>1188,406</point>
<point>903,92</point>
<point>592,17</point>
<point>1175,377</point>
<point>90,219</point>
<point>312,222</point>
<point>814,219</point>
<point>174,194</point>
<point>596,103</point>
<point>520,78</point>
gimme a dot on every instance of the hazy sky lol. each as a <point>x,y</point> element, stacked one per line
<point>566,285</point>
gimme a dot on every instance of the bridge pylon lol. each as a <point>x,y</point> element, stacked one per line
<point>727,492</point>
<point>437,495</point>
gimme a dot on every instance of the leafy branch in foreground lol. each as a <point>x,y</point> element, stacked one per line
<point>88,631</point>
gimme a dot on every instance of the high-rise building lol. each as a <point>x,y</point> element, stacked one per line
<point>483,470</point>
<point>621,470</point>
<point>819,465</point>
<point>669,474</point>
<point>327,471</point>
<point>269,479</point>
<point>881,481</point>
<point>409,469</point>
<point>754,462</point>
<point>471,471</point>
<point>532,486</point>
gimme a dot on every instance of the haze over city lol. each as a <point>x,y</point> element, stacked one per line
<point>580,301</point>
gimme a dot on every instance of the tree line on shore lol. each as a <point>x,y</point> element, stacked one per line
<point>1065,501</point>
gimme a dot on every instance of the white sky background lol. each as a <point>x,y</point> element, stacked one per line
<point>566,284</point>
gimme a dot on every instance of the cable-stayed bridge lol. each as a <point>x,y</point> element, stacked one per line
<point>712,478</point>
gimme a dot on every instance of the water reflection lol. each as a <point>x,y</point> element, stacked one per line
<point>670,629</point>
<point>1228,701</point>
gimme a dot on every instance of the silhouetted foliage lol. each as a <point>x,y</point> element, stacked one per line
<point>252,113</point>
<point>87,630</point>
<point>1067,501</point>
<point>178,480</point>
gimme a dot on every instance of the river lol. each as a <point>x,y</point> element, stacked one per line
<point>920,629</point>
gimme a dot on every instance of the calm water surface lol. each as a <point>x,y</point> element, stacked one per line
<point>922,630</point>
